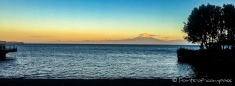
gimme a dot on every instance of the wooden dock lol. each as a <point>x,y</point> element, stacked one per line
<point>4,49</point>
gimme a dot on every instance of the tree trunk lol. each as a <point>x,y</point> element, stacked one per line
<point>201,46</point>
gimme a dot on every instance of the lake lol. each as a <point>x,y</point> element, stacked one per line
<point>95,61</point>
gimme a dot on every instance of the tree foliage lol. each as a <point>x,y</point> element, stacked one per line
<point>211,26</point>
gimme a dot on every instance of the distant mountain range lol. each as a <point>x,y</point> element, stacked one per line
<point>137,40</point>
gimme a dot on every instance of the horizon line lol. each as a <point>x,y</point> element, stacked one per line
<point>107,44</point>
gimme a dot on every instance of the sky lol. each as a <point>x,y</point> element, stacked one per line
<point>46,21</point>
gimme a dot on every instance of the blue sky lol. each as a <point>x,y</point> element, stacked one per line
<point>76,20</point>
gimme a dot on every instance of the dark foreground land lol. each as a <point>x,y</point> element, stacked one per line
<point>113,82</point>
<point>209,63</point>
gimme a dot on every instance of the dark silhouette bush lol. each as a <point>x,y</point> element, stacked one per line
<point>213,28</point>
<point>185,52</point>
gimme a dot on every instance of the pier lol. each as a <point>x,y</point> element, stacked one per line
<point>4,49</point>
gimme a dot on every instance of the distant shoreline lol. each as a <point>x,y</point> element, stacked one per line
<point>101,44</point>
<point>13,42</point>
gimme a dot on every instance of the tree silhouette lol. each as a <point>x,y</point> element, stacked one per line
<point>211,26</point>
<point>229,23</point>
<point>200,26</point>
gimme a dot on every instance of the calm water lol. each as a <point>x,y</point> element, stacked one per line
<point>95,61</point>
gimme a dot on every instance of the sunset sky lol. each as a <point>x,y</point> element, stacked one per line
<point>45,21</point>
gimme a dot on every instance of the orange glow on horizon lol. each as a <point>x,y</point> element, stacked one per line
<point>43,34</point>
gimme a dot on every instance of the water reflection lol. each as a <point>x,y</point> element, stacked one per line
<point>184,66</point>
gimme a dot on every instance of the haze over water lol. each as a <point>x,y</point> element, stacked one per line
<point>95,61</point>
